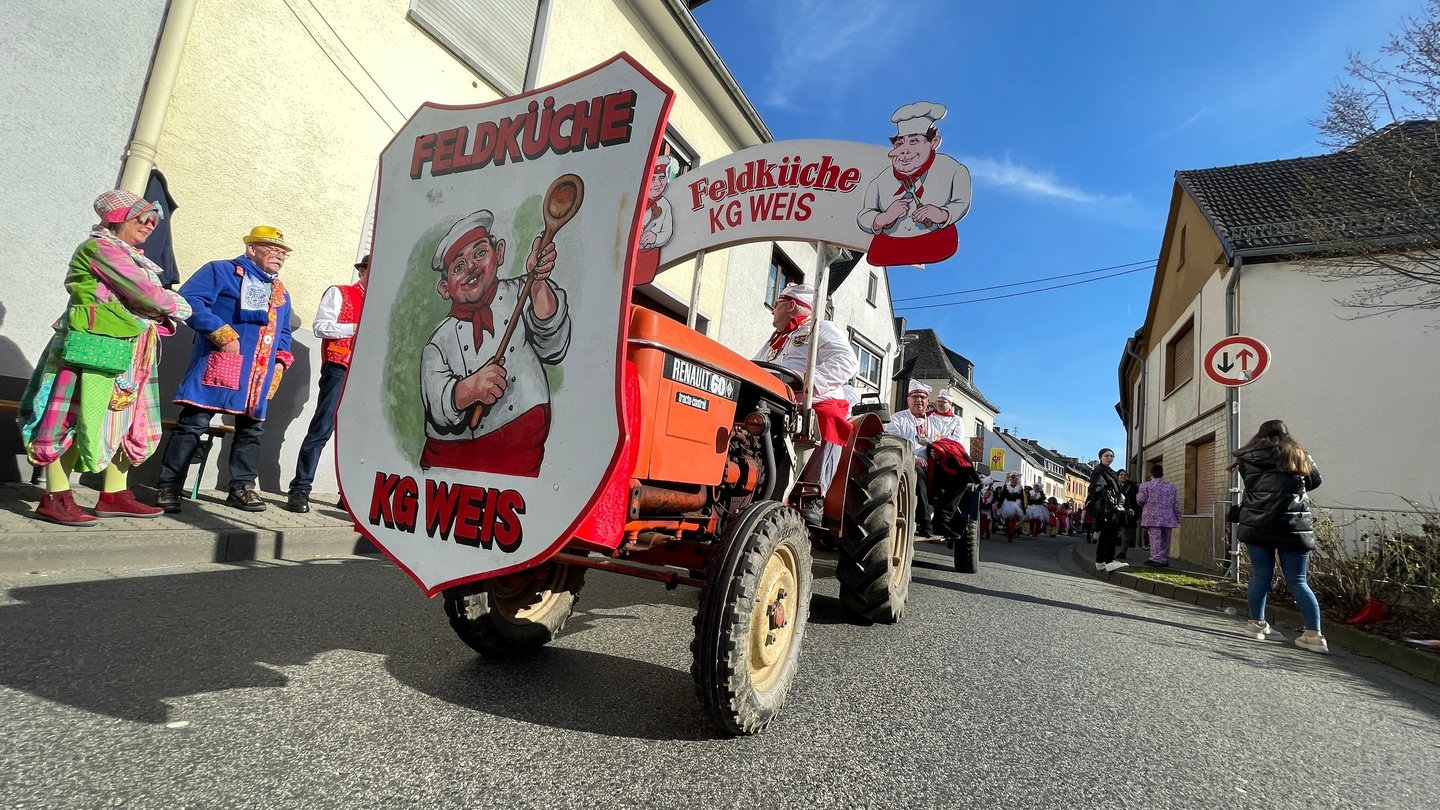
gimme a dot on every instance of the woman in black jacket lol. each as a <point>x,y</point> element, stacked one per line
<point>1106,503</point>
<point>1275,521</point>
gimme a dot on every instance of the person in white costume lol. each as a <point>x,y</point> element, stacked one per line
<point>913,424</point>
<point>945,423</point>
<point>835,366</point>
<point>458,371</point>
<point>1011,511</point>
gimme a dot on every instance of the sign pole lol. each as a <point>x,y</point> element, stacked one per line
<point>691,316</point>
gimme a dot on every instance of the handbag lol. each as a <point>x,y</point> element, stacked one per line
<point>1232,515</point>
<point>106,355</point>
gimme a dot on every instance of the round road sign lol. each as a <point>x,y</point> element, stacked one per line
<point>1237,360</point>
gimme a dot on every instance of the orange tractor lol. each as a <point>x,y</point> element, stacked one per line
<point>713,502</point>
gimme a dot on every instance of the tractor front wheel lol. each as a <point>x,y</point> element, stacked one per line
<point>515,614</point>
<point>967,547</point>
<point>752,618</point>
<point>877,545</point>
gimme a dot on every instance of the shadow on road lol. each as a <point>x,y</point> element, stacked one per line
<point>127,647</point>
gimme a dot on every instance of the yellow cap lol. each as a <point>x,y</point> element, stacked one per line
<point>266,235</point>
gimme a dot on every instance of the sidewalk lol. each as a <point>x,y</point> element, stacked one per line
<point>205,531</point>
<point>1342,637</point>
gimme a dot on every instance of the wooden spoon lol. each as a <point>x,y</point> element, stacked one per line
<point>562,200</point>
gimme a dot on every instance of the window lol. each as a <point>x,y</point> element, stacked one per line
<point>677,147</point>
<point>492,37</point>
<point>1180,358</point>
<point>782,272</point>
<point>868,378</point>
<point>979,427</point>
<point>873,290</point>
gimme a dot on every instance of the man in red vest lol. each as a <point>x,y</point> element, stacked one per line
<point>335,323</point>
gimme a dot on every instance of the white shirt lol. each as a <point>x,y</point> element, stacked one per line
<point>947,427</point>
<point>945,184</point>
<point>328,314</point>
<point>451,356</point>
<point>915,428</point>
<point>660,226</point>
<point>835,362</point>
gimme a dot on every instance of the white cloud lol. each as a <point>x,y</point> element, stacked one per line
<point>825,42</point>
<point>1005,174</point>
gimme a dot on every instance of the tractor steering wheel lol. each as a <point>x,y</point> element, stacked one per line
<point>787,376</point>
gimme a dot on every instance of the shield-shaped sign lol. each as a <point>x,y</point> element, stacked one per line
<point>483,409</point>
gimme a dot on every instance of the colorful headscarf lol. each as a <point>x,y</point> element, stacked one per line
<point>117,205</point>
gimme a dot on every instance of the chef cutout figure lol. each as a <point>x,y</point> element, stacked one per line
<point>659,224</point>
<point>912,205</point>
<point>486,398</point>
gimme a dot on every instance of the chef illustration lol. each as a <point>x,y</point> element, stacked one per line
<point>485,412</point>
<point>912,206</point>
<point>659,224</point>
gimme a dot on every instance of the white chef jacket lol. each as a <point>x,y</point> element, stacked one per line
<point>917,429</point>
<point>450,357</point>
<point>835,362</point>
<point>947,427</point>
<point>945,184</point>
<point>661,226</point>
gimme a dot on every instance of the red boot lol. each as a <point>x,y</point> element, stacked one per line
<point>60,507</point>
<point>123,504</point>
<point>1373,611</point>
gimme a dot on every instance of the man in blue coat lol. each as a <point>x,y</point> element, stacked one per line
<point>242,348</point>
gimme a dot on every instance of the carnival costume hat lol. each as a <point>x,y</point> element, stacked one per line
<point>948,394</point>
<point>470,229</point>
<point>118,205</point>
<point>363,263</point>
<point>266,235</point>
<point>916,385</point>
<point>917,118</point>
<point>802,294</point>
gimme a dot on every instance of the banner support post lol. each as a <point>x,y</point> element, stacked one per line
<point>693,314</point>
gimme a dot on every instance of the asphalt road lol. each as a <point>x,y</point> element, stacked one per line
<point>337,684</point>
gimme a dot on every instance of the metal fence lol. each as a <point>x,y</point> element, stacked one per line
<point>1394,542</point>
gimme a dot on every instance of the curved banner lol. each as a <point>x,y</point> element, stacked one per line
<point>900,203</point>
<point>482,412</point>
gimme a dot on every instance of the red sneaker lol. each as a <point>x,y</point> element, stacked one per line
<point>123,504</point>
<point>60,507</point>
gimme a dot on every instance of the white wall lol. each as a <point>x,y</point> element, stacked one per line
<point>71,83</point>
<point>1359,394</point>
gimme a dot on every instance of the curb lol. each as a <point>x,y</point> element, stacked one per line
<point>1425,666</point>
<point>74,551</point>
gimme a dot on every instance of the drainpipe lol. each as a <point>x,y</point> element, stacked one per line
<point>144,143</point>
<point>1232,396</point>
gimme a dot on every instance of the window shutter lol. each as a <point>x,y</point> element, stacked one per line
<point>1205,478</point>
<point>1185,356</point>
<point>491,36</point>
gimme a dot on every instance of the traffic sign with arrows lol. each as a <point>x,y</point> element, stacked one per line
<point>1237,360</point>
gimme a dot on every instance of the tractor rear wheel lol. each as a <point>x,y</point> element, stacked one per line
<point>515,614</point>
<point>752,618</point>
<point>877,545</point>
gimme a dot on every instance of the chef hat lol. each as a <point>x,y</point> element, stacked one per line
<point>916,385</point>
<point>917,118</point>
<point>948,394</point>
<point>802,294</point>
<point>669,164</point>
<point>471,228</point>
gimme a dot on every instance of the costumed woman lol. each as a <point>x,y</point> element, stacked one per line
<point>1009,497</point>
<point>93,403</point>
<point>1037,514</point>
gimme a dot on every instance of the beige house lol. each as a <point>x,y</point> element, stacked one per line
<point>1238,259</point>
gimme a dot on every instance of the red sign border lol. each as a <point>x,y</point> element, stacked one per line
<point>1261,350</point>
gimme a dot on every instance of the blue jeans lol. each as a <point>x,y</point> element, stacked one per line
<point>322,425</point>
<point>1293,564</point>
<point>190,425</point>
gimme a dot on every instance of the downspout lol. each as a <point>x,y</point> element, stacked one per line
<point>144,144</point>
<point>1232,395</point>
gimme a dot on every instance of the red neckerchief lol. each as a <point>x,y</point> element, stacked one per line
<point>777,338</point>
<point>912,180</point>
<point>654,209</point>
<point>478,314</point>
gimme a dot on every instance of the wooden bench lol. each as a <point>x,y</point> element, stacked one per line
<point>202,451</point>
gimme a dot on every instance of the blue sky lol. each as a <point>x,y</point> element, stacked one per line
<point>1073,119</point>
